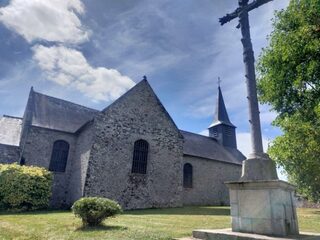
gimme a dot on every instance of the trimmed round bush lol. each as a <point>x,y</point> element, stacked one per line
<point>93,210</point>
<point>24,187</point>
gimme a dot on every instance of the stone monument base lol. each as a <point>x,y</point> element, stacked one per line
<point>263,207</point>
<point>227,234</point>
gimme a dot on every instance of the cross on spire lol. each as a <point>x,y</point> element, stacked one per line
<point>219,81</point>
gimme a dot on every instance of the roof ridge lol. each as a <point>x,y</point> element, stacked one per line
<point>8,116</point>
<point>66,101</point>
<point>124,94</point>
<point>200,135</point>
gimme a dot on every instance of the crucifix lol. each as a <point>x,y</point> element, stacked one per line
<point>260,202</point>
<point>248,58</point>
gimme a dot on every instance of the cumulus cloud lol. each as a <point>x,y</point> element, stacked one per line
<point>54,20</point>
<point>57,21</point>
<point>68,67</point>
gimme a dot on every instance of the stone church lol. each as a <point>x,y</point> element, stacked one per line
<point>131,151</point>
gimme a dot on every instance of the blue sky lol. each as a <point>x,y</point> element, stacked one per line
<point>91,51</point>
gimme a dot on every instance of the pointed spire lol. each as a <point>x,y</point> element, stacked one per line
<point>221,115</point>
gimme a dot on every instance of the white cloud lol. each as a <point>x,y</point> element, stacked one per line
<point>204,133</point>
<point>53,20</point>
<point>68,67</point>
<point>57,21</point>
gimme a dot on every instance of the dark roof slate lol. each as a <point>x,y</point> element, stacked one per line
<point>207,147</point>
<point>221,115</point>
<point>58,114</point>
<point>10,130</point>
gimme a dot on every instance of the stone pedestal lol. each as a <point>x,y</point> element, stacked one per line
<point>258,167</point>
<point>263,207</point>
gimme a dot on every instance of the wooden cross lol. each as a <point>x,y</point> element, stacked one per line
<point>248,58</point>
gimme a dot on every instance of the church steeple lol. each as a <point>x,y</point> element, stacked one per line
<point>221,128</point>
<point>221,115</point>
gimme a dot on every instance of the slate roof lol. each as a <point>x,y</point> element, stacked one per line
<point>58,114</point>
<point>207,147</point>
<point>221,115</point>
<point>10,130</point>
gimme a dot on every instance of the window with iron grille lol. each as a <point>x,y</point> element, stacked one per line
<point>187,175</point>
<point>140,157</point>
<point>59,156</point>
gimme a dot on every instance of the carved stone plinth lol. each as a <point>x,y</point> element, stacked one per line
<point>263,207</point>
<point>258,167</point>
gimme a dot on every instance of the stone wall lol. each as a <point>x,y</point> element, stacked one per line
<point>80,163</point>
<point>37,152</point>
<point>208,181</point>
<point>136,115</point>
<point>9,154</point>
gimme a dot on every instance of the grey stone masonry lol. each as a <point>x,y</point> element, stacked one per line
<point>10,130</point>
<point>138,114</point>
<point>79,164</point>
<point>9,154</point>
<point>208,181</point>
<point>37,152</point>
<point>263,207</point>
<point>101,149</point>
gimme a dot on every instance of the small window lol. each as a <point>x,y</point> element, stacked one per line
<point>59,156</point>
<point>187,175</point>
<point>140,157</point>
<point>215,134</point>
<point>228,131</point>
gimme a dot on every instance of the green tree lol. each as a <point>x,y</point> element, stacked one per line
<point>289,80</point>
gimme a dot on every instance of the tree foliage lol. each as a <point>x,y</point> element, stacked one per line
<point>289,80</point>
<point>24,187</point>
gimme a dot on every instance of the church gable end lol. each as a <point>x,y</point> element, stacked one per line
<point>136,117</point>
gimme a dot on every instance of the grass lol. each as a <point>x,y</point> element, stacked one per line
<point>139,224</point>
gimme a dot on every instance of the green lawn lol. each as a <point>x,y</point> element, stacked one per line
<point>139,224</point>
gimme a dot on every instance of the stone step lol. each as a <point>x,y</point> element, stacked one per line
<point>227,234</point>
<point>186,238</point>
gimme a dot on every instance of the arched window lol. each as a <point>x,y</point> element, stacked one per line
<point>59,156</point>
<point>187,175</point>
<point>140,157</point>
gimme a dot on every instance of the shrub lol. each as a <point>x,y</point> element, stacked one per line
<point>24,187</point>
<point>93,210</point>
